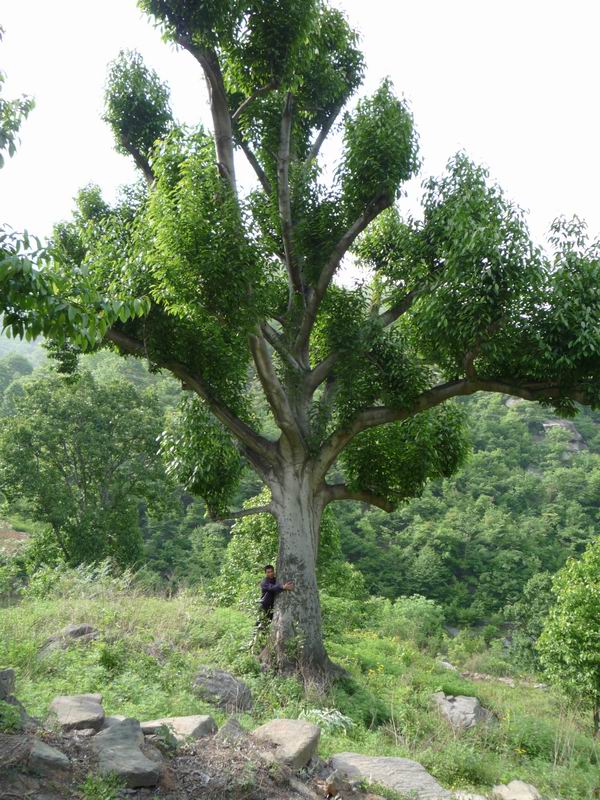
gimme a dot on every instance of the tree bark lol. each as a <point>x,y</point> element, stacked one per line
<point>296,643</point>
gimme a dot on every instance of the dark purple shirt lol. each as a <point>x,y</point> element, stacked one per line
<point>269,588</point>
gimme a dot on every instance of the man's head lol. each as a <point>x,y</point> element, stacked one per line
<point>269,571</point>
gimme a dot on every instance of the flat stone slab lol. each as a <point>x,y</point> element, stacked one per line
<point>222,689</point>
<point>46,760</point>
<point>462,712</point>
<point>399,774</point>
<point>296,740</point>
<point>77,711</point>
<point>119,751</point>
<point>516,790</point>
<point>194,727</point>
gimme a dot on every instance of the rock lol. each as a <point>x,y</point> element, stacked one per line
<point>399,774</point>
<point>296,740</point>
<point>462,712</point>
<point>448,665</point>
<point>7,683</point>
<point>112,720</point>
<point>78,631</point>
<point>78,711</point>
<point>467,796</point>
<point>82,632</point>
<point>119,751</point>
<point>183,727</point>
<point>576,442</point>
<point>231,732</point>
<point>516,790</point>
<point>14,749</point>
<point>222,689</point>
<point>45,760</point>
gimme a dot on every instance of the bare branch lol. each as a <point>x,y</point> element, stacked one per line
<point>323,133</point>
<point>249,437</point>
<point>339,491</point>
<point>263,90</point>
<point>245,512</point>
<point>283,194</point>
<point>274,391</point>
<point>328,271</point>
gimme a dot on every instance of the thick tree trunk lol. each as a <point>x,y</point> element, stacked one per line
<point>297,640</point>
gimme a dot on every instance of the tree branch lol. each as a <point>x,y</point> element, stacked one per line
<point>274,391</point>
<point>276,341</point>
<point>328,271</point>
<point>321,372</point>
<point>339,491</point>
<point>323,133</point>
<point>141,161</point>
<point>402,306</point>
<point>381,415</point>
<point>245,512</point>
<point>283,195</point>
<point>253,161</point>
<point>257,93</point>
<point>219,106</point>
<point>249,437</point>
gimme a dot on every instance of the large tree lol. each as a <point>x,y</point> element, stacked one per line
<point>229,288</point>
<point>82,455</point>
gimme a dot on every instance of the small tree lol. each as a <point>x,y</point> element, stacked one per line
<point>569,645</point>
<point>229,289</point>
<point>84,456</point>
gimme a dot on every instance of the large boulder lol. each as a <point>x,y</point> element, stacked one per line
<point>77,712</point>
<point>222,689</point>
<point>399,774</point>
<point>462,712</point>
<point>296,740</point>
<point>194,727</point>
<point>516,790</point>
<point>119,750</point>
<point>47,761</point>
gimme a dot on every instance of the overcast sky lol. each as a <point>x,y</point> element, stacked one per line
<point>513,82</point>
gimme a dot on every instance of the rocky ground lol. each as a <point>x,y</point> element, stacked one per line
<point>188,758</point>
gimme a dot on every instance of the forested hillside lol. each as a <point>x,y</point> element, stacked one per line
<point>526,500</point>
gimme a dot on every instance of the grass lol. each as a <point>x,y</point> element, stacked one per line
<point>150,647</point>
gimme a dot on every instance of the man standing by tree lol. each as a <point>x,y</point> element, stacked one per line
<point>270,588</point>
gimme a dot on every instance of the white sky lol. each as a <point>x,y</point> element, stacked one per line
<point>513,82</point>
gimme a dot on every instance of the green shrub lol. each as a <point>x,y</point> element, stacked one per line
<point>10,719</point>
<point>465,645</point>
<point>416,619</point>
<point>96,787</point>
